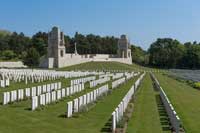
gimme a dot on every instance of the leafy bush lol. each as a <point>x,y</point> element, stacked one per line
<point>8,55</point>
<point>197,85</point>
<point>32,58</point>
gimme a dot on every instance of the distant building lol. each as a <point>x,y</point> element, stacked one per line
<point>57,57</point>
<point>124,50</point>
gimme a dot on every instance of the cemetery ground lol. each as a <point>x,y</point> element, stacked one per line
<point>185,100</point>
<point>22,85</point>
<point>18,117</point>
<point>99,66</point>
<point>111,66</point>
<point>145,117</point>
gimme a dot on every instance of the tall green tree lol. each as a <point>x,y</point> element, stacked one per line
<point>139,55</point>
<point>166,53</point>
<point>32,58</point>
<point>40,42</point>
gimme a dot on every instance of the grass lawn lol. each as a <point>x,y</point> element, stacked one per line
<point>186,101</point>
<point>145,118</point>
<point>110,66</point>
<point>100,66</point>
<point>18,118</point>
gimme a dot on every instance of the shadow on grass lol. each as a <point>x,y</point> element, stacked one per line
<point>164,120</point>
<point>29,109</point>
<point>107,127</point>
<point>62,116</point>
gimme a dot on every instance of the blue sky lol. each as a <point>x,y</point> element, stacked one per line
<point>142,20</point>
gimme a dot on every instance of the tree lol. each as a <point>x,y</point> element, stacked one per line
<point>4,40</point>
<point>32,58</point>
<point>39,42</point>
<point>166,53</point>
<point>191,58</point>
<point>139,55</point>
<point>8,55</point>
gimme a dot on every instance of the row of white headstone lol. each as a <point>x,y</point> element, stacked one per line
<point>132,74</point>
<point>117,75</point>
<point>55,95</point>
<point>35,75</point>
<point>5,83</point>
<point>99,81</point>
<point>76,105</point>
<point>107,74</point>
<point>117,114</point>
<point>82,80</point>
<point>21,94</point>
<point>118,82</point>
<point>19,75</point>
<point>173,116</point>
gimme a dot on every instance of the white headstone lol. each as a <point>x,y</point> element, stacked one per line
<point>44,88</point>
<point>33,91</point>
<point>95,94</point>
<point>88,98</point>
<point>48,87</point>
<point>27,92</point>
<point>63,93</point>
<point>20,94</point>
<point>2,83</point>
<point>113,122</point>
<point>6,98</point>
<point>75,105</point>
<point>69,109</point>
<point>55,86</point>
<point>84,99</point>
<point>58,94</point>
<point>52,86</point>
<point>71,90</point>
<point>34,102</point>
<point>39,90</point>
<point>13,96</point>
<point>53,96</point>
<point>117,115</point>
<point>59,85</point>
<point>42,99</point>
<point>7,82</point>
<point>80,101</point>
<point>91,96</point>
<point>48,98</point>
<point>67,91</point>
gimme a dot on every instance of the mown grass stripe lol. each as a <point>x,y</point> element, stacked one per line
<point>50,119</point>
<point>185,100</point>
<point>145,117</point>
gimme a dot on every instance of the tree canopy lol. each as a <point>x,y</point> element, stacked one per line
<point>169,53</point>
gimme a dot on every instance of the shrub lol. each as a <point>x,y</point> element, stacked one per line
<point>197,85</point>
<point>8,55</point>
<point>32,58</point>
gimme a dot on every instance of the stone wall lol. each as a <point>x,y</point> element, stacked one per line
<point>73,59</point>
<point>10,64</point>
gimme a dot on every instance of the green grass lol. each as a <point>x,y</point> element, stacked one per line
<point>18,118</point>
<point>145,118</point>
<point>110,66</point>
<point>100,66</point>
<point>186,101</point>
